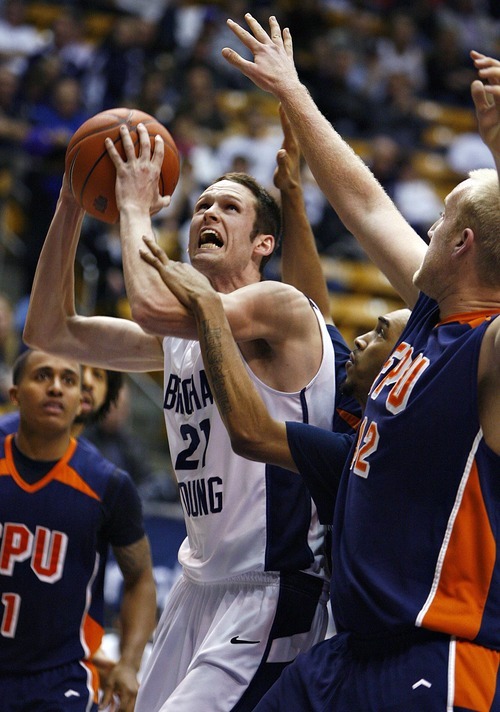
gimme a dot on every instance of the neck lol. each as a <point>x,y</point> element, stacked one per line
<point>42,446</point>
<point>463,304</point>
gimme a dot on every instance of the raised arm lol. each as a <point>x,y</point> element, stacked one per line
<point>486,96</point>
<point>153,306</point>
<point>52,323</point>
<point>300,262</point>
<point>137,621</point>
<point>355,194</point>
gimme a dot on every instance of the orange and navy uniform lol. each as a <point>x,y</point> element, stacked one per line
<point>416,564</point>
<point>55,531</point>
<point>424,486</point>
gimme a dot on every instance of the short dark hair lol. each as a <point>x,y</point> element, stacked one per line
<point>20,366</point>
<point>267,211</point>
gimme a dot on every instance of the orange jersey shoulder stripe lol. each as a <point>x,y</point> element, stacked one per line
<point>474,318</point>
<point>61,472</point>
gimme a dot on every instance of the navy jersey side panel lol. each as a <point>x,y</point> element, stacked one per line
<point>320,457</point>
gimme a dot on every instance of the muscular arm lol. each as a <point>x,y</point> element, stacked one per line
<point>137,621</point>
<point>52,323</point>
<point>137,196</point>
<point>358,198</point>
<point>486,96</point>
<point>300,262</point>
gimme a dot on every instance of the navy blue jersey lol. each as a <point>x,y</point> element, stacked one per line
<point>347,409</point>
<point>320,457</point>
<point>416,519</point>
<point>55,535</point>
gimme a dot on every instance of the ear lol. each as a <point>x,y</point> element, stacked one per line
<point>263,245</point>
<point>464,242</point>
<point>13,395</point>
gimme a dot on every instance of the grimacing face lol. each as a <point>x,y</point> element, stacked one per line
<point>222,226</point>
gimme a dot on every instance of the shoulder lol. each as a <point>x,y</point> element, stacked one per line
<point>490,346</point>
<point>9,423</point>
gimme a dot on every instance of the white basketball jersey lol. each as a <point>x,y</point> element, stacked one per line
<point>241,516</point>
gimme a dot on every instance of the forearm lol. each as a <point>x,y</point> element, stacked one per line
<point>253,432</point>
<point>300,262</point>
<point>137,619</point>
<point>152,304</point>
<point>52,296</point>
<point>52,323</point>
<point>355,194</point>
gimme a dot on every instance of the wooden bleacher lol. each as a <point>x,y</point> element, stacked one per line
<point>359,293</point>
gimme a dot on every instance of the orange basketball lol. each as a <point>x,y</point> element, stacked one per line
<point>91,172</point>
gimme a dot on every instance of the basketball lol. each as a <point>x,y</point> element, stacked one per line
<point>91,172</point>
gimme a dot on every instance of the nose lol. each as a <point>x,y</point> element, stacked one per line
<point>87,381</point>
<point>361,341</point>
<point>210,212</point>
<point>55,385</point>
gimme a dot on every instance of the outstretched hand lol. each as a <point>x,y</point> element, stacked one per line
<point>287,172</point>
<point>137,177</point>
<point>273,69</point>
<point>183,280</point>
<point>486,95</point>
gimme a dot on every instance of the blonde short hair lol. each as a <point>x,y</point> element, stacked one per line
<point>479,209</point>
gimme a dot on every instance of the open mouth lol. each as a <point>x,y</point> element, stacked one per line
<point>210,240</point>
<point>53,407</point>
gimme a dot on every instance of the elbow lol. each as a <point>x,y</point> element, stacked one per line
<point>36,338</point>
<point>248,446</point>
<point>145,315</point>
<point>148,312</point>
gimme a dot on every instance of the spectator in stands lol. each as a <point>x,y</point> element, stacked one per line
<point>448,70</point>
<point>10,343</point>
<point>19,39</point>
<point>68,44</point>
<point>113,437</point>
<point>53,122</point>
<point>257,140</point>
<point>401,51</point>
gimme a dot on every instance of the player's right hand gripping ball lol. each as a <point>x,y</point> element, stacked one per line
<point>91,173</point>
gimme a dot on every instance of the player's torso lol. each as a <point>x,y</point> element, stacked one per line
<point>238,513</point>
<point>422,494</point>
<point>49,558</point>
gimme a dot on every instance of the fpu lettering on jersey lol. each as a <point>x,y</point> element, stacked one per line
<point>201,496</point>
<point>188,394</point>
<point>45,548</point>
<point>402,372</point>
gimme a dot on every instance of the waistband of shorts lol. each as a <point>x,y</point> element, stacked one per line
<point>251,577</point>
<point>295,579</point>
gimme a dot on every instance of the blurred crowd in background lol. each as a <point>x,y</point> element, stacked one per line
<point>382,71</point>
